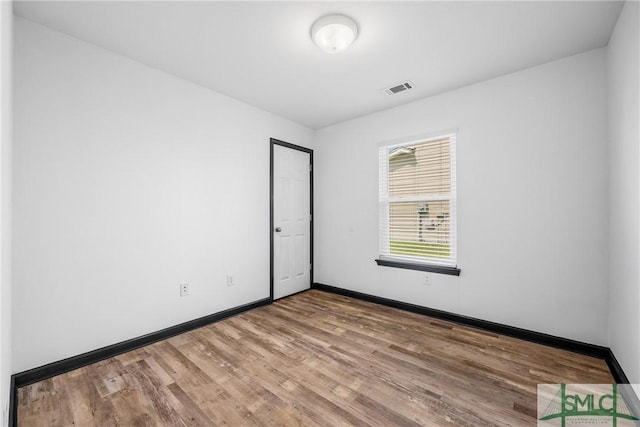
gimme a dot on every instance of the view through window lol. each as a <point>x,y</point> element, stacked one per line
<point>417,201</point>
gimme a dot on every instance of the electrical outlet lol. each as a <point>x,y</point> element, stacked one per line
<point>184,289</point>
<point>427,279</point>
<point>230,281</point>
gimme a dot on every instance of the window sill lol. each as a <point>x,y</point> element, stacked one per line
<point>453,271</point>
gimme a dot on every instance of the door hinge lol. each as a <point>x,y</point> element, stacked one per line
<point>310,266</point>
<point>310,217</point>
<point>310,167</point>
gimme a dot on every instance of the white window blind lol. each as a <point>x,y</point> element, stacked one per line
<point>418,201</point>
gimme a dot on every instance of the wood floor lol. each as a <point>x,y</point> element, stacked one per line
<point>313,359</point>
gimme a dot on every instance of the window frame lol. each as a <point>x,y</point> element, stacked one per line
<point>386,259</point>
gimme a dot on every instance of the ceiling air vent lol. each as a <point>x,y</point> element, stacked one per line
<point>399,88</point>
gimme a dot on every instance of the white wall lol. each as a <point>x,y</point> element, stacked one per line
<point>623,91</point>
<point>6,52</point>
<point>128,181</point>
<point>532,200</point>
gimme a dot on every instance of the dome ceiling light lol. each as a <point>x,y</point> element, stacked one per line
<point>334,33</point>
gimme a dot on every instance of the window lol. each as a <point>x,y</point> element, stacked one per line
<point>418,205</point>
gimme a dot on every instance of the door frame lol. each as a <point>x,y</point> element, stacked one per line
<point>274,142</point>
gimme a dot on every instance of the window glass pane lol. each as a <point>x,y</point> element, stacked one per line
<point>420,169</point>
<point>420,229</point>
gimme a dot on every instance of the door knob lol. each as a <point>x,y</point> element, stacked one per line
<point>278,229</point>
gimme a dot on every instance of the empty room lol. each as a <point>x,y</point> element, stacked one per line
<point>320,213</point>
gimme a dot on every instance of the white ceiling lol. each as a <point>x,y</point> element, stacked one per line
<point>261,52</point>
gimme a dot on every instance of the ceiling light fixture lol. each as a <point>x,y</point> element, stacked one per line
<point>334,33</point>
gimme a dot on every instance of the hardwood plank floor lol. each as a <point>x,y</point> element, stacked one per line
<point>313,359</point>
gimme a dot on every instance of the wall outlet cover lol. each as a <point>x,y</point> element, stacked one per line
<point>184,289</point>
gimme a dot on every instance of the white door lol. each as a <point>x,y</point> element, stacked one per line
<point>291,221</point>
